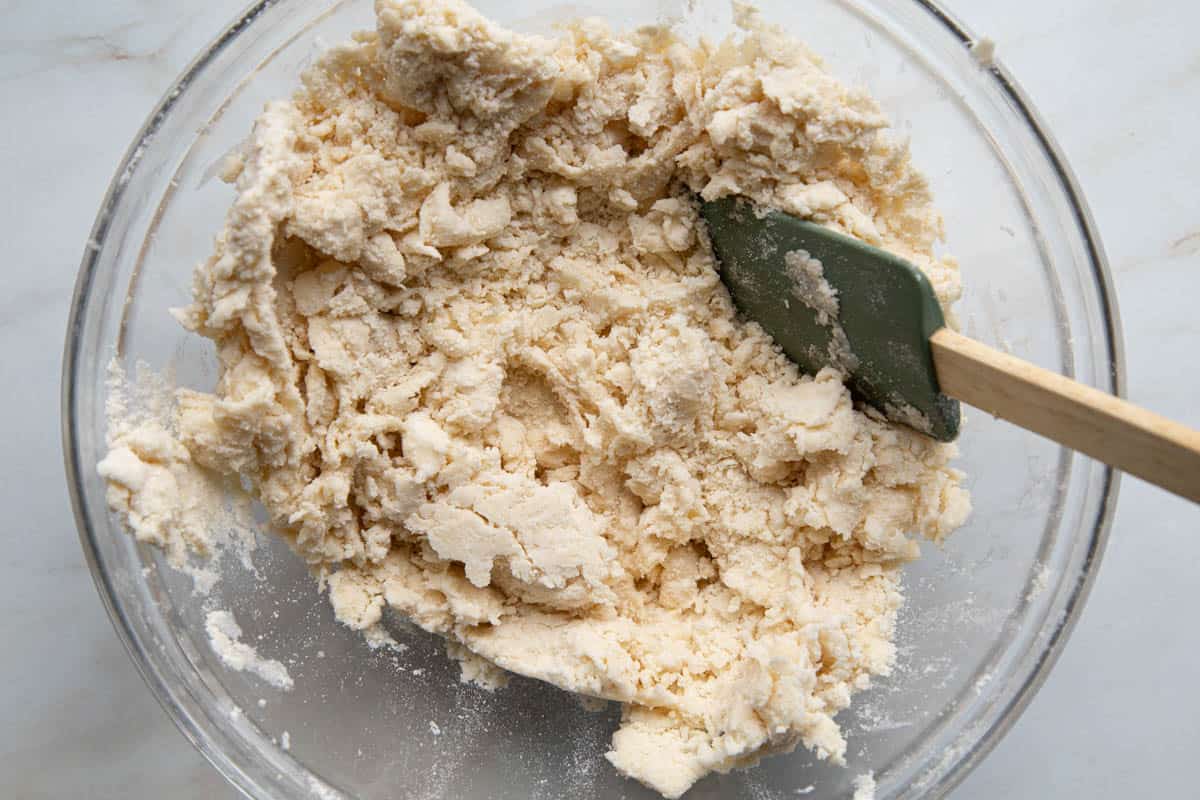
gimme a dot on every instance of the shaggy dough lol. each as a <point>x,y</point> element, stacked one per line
<point>478,366</point>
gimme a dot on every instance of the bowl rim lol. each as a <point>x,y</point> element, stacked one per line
<point>183,718</point>
<point>1111,478</point>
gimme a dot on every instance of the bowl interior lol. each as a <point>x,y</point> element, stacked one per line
<point>985,613</point>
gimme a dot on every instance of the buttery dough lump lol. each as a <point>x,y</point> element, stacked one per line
<point>478,366</point>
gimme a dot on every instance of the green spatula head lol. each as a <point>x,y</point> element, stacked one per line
<point>830,300</point>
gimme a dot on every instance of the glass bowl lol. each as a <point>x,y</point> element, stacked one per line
<point>987,613</point>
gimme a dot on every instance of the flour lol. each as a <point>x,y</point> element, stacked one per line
<point>479,368</point>
<point>864,787</point>
<point>1041,580</point>
<point>224,634</point>
<point>810,287</point>
<point>154,484</point>
<point>322,790</point>
<point>151,477</point>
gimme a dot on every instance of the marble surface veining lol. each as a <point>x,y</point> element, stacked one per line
<point>1118,83</point>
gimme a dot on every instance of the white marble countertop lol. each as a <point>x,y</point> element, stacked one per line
<point>1118,83</point>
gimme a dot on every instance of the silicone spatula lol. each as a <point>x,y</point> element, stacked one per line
<point>904,361</point>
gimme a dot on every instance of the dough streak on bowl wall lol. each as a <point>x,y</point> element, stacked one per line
<point>478,366</point>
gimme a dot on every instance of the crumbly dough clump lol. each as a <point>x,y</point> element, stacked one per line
<point>478,365</point>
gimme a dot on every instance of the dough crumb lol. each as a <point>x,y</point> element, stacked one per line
<point>224,636</point>
<point>477,670</point>
<point>983,50</point>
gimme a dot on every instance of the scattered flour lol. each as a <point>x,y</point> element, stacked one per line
<point>377,637</point>
<point>810,287</point>
<point>864,787</point>
<point>1041,580</point>
<point>156,486</point>
<point>478,366</point>
<point>224,635</point>
<point>905,414</point>
<point>322,790</point>
<point>592,705</point>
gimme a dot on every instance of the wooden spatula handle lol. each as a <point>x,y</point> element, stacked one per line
<point>1104,427</point>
